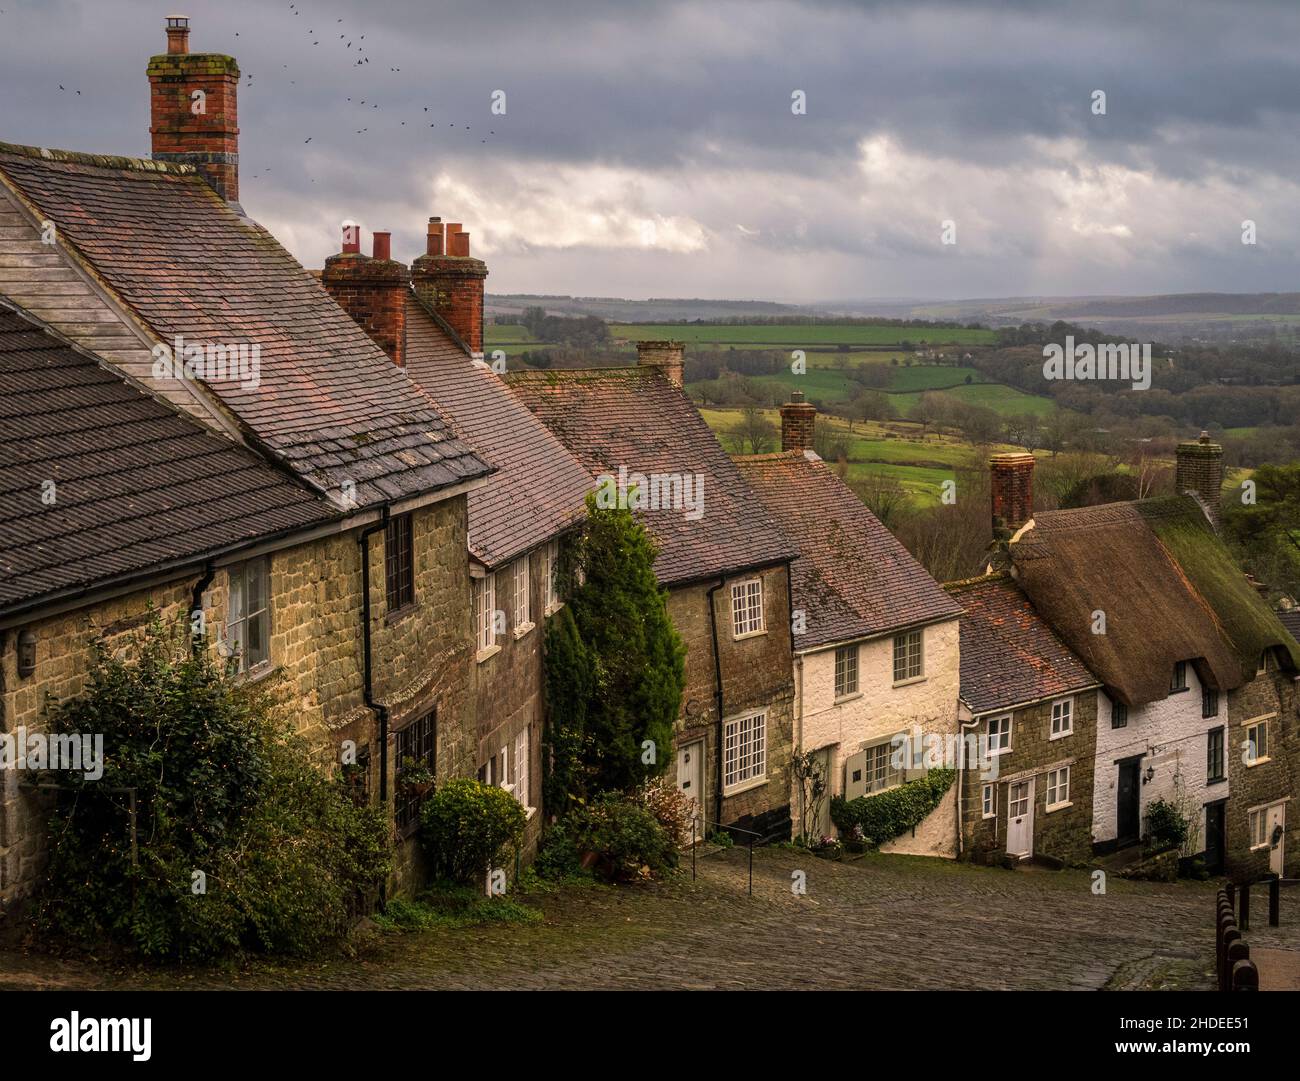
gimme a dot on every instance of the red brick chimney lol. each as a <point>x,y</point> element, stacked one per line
<point>1199,469</point>
<point>372,290</point>
<point>798,422</point>
<point>193,112</point>
<point>666,356</point>
<point>1012,477</point>
<point>451,283</point>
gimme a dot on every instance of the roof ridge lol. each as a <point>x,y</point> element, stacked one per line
<point>101,161</point>
<point>979,579</point>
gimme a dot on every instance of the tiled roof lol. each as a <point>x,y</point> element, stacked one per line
<point>635,418</point>
<point>1291,621</point>
<point>1169,589</point>
<point>852,578</point>
<point>329,402</point>
<point>1009,655</point>
<point>136,485</point>
<point>539,488</point>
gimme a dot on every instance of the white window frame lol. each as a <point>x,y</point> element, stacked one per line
<point>238,615</point>
<point>1260,815</point>
<point>744,760</point>
<point>1254,743</point>
<point>1004,737</point>
<point>851,658</point>
<point>905,641</point>
<point>747,617</point>
<point>989,799</point>
<point>552,600</point>
<point>523,762</point>
<point>521,587</point>
<point>879,772</point>
<point>485,615</point>
<point>1058,785</point>
<point>1063,721</point>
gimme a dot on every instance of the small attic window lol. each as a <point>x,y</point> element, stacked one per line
<point>1179,682</point>
<point>1268,661</point>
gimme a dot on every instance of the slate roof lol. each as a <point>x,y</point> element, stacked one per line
<point>1291,621</point>
<point>635,417</point>
<point>853,578</point>
<point>137,485</point>
<point>329,404</point>
<point>1009,655</point>
<point>1168,586</point>
<point>539,488</point>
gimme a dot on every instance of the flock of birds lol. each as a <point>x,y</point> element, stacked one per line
<point>350,44</point>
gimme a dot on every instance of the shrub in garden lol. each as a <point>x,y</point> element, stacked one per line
<point>1167,826</point>
<point>617,832</point>
<point>888,814</point>
<point>464,825</point>
<point>240,844</point>
<point>671,807</point>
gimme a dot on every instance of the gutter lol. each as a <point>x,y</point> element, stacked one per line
<point>717,689</point>
<point>961,768</point>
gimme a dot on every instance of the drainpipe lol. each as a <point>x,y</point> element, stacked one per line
<point>717,690</point>
<point>196,603</point>
<point>961,787</point>
<point>367,685</point>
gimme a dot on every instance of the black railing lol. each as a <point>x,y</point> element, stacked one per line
<point>699,825</point>
<point>1240,893</point>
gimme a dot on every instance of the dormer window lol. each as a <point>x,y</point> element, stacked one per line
<point>1179,682</point>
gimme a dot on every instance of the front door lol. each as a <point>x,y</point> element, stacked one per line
<point>1128,814</point>
<point>1214,826</point>
<point>1277,838</point>
<point>1020,818</point>
<point>690,779</point>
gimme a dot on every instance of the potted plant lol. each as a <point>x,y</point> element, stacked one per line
<point>856,841</point>
<point>415,777</point>
<point>828,848</point>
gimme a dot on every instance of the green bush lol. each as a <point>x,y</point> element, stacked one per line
<point>1167,826</point>
<point>624,836</point>
<point>464,825</point>
<point>887,815</point>
<point>241,844</point>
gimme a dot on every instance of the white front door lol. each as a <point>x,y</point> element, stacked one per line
<point>1020,818</point>
<point>690,779</point>
<point>1277,838</point>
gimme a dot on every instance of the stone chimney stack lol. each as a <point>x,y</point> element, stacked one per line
<point>451,283</point>
<point>666,356</point>
<point>372,290</point>
<point>1200,470</point>
<point>798,423</point>
<point>1012,490</point>
<point>194,119</point>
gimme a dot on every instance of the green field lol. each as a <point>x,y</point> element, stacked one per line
<point>759,335</point>
<point>1003,400</point>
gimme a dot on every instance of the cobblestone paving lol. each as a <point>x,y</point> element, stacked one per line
<point>882,922</point>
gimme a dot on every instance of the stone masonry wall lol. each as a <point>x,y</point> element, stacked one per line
<point>1272,695</point>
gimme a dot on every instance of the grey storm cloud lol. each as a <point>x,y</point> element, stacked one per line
<point>650,148</point>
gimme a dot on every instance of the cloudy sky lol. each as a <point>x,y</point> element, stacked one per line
<point>653,149</point>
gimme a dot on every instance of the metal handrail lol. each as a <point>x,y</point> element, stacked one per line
<point>704,824</point>
<point>1275,884</point>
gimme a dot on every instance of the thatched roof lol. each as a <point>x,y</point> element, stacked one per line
<point>1168,587</point>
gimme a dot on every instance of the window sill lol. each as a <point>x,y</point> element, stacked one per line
<point>257,673</point>
<point>1060,735</point>
<point>486,654</point>
<point>999,752</point>
<point>744,786</point>
<point>1216,780</point>
<point>522,629</point>
<point>1258,761</point>
<point>1058,806</point>
<point>909,682</point>
<point>989,818</point>
<point>551,609</point>
<point>748,634</point>
<point>399,614</point>
<point>529,812</point>
<point>1261,848</point>
<point>843,698</point>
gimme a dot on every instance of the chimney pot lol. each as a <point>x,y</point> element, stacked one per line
<point>178,34</point>
<point>664,355</point>
<point>351,239</point>
<point>433,245</point>
<point>383,248</point>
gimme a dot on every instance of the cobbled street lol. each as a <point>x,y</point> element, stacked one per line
<point>882,922</point>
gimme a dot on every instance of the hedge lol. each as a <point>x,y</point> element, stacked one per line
<point>889,814</point>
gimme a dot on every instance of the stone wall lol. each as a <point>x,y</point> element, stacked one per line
<point>1271,695</point>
